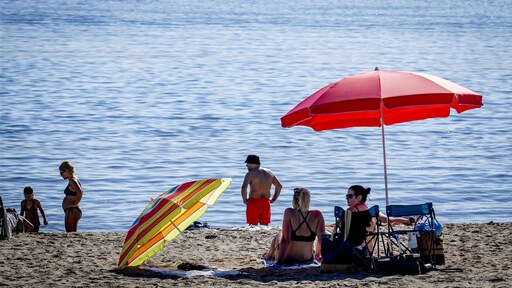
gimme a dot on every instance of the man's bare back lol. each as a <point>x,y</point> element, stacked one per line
<point>260,182</point>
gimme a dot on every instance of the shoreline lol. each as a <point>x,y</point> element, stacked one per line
<point>90,259</point>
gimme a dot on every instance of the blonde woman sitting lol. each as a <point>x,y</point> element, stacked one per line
<point>301,227</point>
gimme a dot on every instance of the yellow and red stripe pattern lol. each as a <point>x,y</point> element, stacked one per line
<point>166,216</point>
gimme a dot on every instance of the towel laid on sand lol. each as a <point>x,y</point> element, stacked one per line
<point>189,273</point>
<point>272,264</point>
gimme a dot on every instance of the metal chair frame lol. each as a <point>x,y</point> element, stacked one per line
<point>422,213</point>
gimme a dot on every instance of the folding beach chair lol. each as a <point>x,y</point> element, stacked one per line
<point>362,255</point>
<point>368,252</point>
<point>3,215</point>
<point>419,239</point>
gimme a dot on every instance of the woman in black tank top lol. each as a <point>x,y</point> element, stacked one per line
<point>301,227</point>
<point>360,221</point>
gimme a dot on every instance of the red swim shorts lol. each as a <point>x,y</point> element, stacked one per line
<point>258,211</point>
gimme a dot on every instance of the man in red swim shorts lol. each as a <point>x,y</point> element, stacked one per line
<point>260,180</point>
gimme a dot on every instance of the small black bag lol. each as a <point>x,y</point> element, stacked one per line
<point>402,265</point>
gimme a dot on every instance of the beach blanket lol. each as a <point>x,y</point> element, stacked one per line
<point>189,273</point>
<point>252,227</point>
<point>305,265</point>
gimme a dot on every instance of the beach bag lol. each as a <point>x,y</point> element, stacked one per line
<point>15,220</point>
<point>398,265</point>
<point>424,242</point>
<point>11,223</point>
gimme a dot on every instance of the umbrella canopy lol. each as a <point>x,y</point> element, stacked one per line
<point>379,98</point>
<point>166,216</point>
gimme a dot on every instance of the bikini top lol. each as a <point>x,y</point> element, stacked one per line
<point>68,192</point>
<point>32,208</point>
<point>301,238</point>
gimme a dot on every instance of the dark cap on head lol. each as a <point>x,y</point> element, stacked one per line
<point>253,159</point>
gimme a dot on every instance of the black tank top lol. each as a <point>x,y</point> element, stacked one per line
<point>300,238</point>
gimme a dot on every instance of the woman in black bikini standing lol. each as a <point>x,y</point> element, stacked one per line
<point>301,227</point>
<point>73,196</point>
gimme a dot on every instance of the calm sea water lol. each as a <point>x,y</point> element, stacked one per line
<point>145,95</point>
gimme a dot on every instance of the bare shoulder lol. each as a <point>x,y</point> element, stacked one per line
<point>266,170</point>
<point>75,183</point>
<point>37,203</point>
<point>289,211</point>
<point>316,213</point>
<point>250,175</point>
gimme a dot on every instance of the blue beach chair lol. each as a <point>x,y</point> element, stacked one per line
<point>422,238</point>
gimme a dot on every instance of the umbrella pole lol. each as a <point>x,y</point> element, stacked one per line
<point>193,245</point>
<point>384,155</point>
<point>390,246</point>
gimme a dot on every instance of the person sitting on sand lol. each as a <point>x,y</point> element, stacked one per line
<point>73,196</point>
<point>29,208</point>
<point>301,226</point>
<point>360,223</point>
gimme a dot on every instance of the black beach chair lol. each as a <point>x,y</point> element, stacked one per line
<point>374,242</point>
<point>2,220</point>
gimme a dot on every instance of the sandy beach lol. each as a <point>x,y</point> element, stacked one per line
<point>88,259</point>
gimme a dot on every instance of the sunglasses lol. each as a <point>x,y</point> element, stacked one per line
<point>349,196</point>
